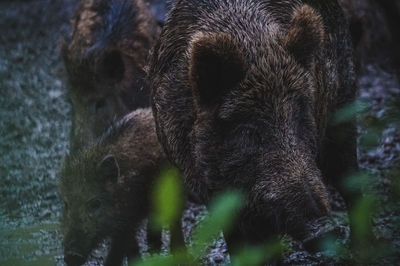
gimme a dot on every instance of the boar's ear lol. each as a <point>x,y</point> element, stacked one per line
<point>216,65</point>
<point>306,35</point>
<point>108,168</point>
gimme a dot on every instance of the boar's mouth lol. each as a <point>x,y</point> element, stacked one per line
<point>284,207</point>
<point>258,228</point>
<point>76,251</point>
<point>73,258</point>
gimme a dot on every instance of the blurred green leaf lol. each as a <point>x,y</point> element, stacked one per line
<point>222,213</point>
<point>359,181</point>
<point>249,256</point>
<point>154,260</point>
<point>350,112</point>
<point>374,122</point>
<point>370,139</point>
<point>167,199</point>
<point>170,260</point>
<point>258,255</point>
<point>362,213</point>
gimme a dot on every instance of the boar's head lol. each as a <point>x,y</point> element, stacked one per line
<point>91,213</point>
<point>256,125</point>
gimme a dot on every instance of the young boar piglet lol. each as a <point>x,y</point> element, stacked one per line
<point>107,189</point>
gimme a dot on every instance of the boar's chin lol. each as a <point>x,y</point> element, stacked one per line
<point>77,251</point>
<point>285,209</point>
<point>74,259</point>
<point>261,227</point>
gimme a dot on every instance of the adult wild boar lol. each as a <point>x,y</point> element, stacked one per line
<point>242,92</point>
<point>107,187</point>
<point>105,61</point>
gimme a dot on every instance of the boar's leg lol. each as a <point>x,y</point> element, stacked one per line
<point>121,246</point>
<point>338,163</point>
<point>154,239</point>
<point>177,238</point>
<point>233,239</point>
<point>116,254</point>
<point>132,250</point>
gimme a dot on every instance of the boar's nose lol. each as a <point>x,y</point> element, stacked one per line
<point>72,256</point>
<point>74,259</point>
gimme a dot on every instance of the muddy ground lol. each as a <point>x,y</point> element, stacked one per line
<point>34,131</point>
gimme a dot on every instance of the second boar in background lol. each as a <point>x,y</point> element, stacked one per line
<point>105,61</point>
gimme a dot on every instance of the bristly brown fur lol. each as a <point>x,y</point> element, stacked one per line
<point>107,189</point>
<point>306,34</point>
<point>261,124</point>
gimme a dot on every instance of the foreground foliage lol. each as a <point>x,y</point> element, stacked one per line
<point>226,206</point>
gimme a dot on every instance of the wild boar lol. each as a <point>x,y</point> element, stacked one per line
<point>242,93</point>
<point>107,189</point>
<point>105,61</point>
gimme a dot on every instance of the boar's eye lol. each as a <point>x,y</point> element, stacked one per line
<point>109,168</point>
<point>94,206</point>
<point>98,106</point>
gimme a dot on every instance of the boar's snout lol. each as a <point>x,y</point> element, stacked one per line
<point>287,205</point>
<point>74,259</point>
<point>74,253</point>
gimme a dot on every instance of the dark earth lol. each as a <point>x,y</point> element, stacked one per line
<point>34,136</point>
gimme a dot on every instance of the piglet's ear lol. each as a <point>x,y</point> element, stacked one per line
<point>306,35</point>
<point>216,65</point>
<point>108,168</point>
